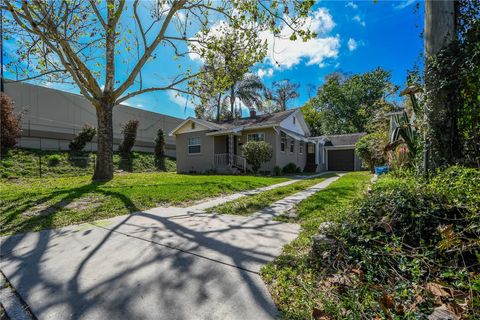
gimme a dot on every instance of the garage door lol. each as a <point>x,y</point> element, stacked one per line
<point>341,160</point>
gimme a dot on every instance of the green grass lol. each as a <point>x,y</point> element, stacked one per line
<point>26,163</point>
<point>290,277</point>
<point>249,204</point>
<point>35,204</point>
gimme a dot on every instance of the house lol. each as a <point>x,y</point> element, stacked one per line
<point>205,146</point>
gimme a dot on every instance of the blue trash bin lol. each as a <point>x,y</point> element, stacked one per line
<point>381,170</point>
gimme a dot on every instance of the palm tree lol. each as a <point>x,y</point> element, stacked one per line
<point>247,91</point>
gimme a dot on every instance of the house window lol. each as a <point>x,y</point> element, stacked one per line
<point>293,120</point>
<point>193,125</point>
<point>300,147</point>
<point>292,145</point>
<point>256,137</point>
<point>193,145</point>
<point>310,148</point>
<point>283,141</point>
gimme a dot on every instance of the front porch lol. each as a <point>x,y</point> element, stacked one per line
<point>226,153</point>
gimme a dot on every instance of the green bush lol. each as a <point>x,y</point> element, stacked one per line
<point>53,160</point>
<point>160,149</point>
<point>82,138</point>
<point>371,149</point>
<point>277,170</point>
<point>129,131</point>
<point>289,168</point>
<point>406,241</point>
<point>257,153</point>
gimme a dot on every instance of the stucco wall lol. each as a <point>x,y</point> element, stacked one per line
<point>270,137</point>
<point>286,157</point>
<point>53,117</point>
<point>195,162</point>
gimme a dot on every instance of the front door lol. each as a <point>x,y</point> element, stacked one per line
<point>310,153</point>
<point>235,142</point>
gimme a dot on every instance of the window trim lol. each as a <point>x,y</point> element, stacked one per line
<point>292,144</point>
<point>283,140</point>
<point>300,147</point>
<point>194,145</point>
<point>256,133</point>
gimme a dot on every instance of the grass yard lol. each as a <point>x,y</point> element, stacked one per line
<point>290,278</point>
<point>36,204</point>
<point>249,204</point>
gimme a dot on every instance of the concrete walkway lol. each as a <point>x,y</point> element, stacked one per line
<point>164,263</point>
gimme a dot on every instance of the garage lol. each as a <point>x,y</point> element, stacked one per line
<point>341,160</point>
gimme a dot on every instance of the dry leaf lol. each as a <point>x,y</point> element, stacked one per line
<point>318,314</point>
<point>437,289</point>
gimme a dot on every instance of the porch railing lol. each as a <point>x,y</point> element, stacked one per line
<point>222,159</point>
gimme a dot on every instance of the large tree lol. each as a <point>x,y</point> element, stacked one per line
<point>347,104</point>
<point>84,41</point>
<point>282,92</point>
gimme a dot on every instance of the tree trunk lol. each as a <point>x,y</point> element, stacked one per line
<point>232,100</point>
<point>104,163</point>
<point>440,109</point>
<point>219,106</point>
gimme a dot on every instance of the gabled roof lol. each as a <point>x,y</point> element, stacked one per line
<point>260,121</point>
<point>340,139</point>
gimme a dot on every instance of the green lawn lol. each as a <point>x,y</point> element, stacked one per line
<point>35,204</point>
<point>290,277</point>
<point>249,204</point>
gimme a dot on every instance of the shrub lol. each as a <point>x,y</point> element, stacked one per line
<point>129,131</point>
<point>277,171</point>
<point>256,153</point>
<point>53,160</point>
<point>371,149</point>
<point>289,168</point>
<point>10,123</point>
<point>82,138</point>
<point>160,149</point>
<point>408,246</point>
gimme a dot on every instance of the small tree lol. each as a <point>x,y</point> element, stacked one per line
<point>160,149</point>
<point>371,149</point>
<point>10,125</point>
<point>82,138</point>
<point>256,153</point>
<point>129,131</point>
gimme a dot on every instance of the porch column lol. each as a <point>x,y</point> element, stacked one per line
<point>230,149</point>
<point>317,153</point>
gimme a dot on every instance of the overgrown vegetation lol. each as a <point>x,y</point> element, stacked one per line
<point>291,277</point>
<point>17,163</point>
<point>10,123</point>
<point>249,204</point>
<point>36,204</point>
<point>82,138</point>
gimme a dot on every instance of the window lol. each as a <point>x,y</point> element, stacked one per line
<point>193,145</point>
<point>193,125</point>
<point>292,145</point>
<point>293,120</point>
<point>310,148</point>
<point>256,137</point>
<point>300,147</point>
<point>283,141</point>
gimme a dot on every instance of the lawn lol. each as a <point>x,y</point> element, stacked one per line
<point>249,204</point>
<point>35,204</point>
<point>290,278</point>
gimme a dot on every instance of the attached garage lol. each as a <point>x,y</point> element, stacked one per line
<point>341,160</point>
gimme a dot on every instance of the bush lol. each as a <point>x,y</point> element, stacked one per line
<point>371,149</point>
<point>290,168</point>
<point>407,247</point>
<point>53,160</point>
<point>129,131</point>
<point>277,171</point>
<point>10,123</point>
<point>160,149</point>
<point>82,138</point>
<point>256,153</point>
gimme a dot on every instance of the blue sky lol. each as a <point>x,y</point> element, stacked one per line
<point>353,37</point>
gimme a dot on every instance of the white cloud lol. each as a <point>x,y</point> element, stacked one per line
<point>359,20</point>
<point>179,99</point>
<point>265,72</point>
<point>286,53</point>
<point>352,44</point>
<point>352,5</point>
<point>404,4</point>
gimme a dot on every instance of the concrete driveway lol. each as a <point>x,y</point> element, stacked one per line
<point>164,263</point>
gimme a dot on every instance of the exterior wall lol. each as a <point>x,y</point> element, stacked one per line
<point>53,117</point>
<point>270,137</point>
<point>285,157</point>
<point>201,162</point>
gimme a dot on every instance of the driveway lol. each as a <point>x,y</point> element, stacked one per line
<point>164,263</point>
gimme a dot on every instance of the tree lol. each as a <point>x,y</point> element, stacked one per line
<point>82,138</point>
<point>247,91</point>
<point>10,123</point>
<point>160,149</point>
<point>257,153</point>
<point>81,42</point>
<point>129,131</point>
<point>282,92</point>
<point>371,148</point>
<point>349,104</point>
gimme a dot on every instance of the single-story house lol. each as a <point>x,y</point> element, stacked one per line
<point>206,146</point>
